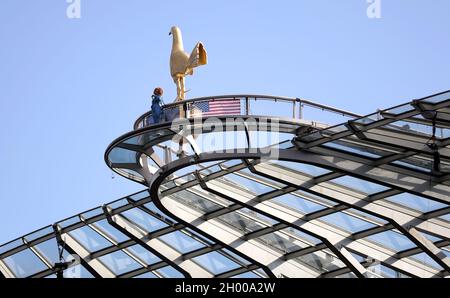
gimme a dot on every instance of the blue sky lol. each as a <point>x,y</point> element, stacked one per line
<point>71,86</point>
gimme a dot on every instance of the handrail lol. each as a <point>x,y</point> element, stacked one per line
<point>139,123</point>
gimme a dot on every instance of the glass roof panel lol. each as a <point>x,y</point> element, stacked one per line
<point>69,221</point>
<point>92,213</point>
<point>140,195</point>
<point>89,239</point>
<point>416,202</point>
<point>347,222</point>
<point>110,231</point>
<point>445,217</point>
<point>181,242</point>
<point>77,271</point>
<point>282,242</point>
<point>359,184</point>
<point>298,203</point>
<point>307,239</point>
<point>378,270</point>
<point>144,220</point>
<point>215,262</point>
<point>231,163</point>
<point>240,222</point>
<point>24,263</point>
<point>10,245</point>
<point>438,98</point>
<point>118,204</point>
<point>121,155</point>
<point>195,201</point>
<point>143,254</point>
<point>49,250</point>
<point>392,240</point>
<point>147,137</point>
<point>301,167</point>
<point>146,275</point>
<point>321,261</point>
<point>247,184</point>
<point>347,275</point>
<point>427,260</point>
<point>39,233</point>
<point>356,149</point>
<point>119,262</point>
<point>249,274</point>
<point>170,272</point>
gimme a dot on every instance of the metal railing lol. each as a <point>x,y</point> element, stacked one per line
<point>292,108</point>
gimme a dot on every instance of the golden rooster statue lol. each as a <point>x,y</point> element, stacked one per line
<point>181,64</point>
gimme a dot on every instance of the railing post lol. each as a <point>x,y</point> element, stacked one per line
<point>186,110</point>
<point>247,106</point>
<point>293,108</point>
<point>300,109</point>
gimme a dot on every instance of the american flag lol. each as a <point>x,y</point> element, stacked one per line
<point>216,108</point>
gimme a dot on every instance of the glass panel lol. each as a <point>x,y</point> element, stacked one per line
<point>321,261</point>
<point>8,246</point>
<point>145,138</point>
<point>215,262</point>
<point>333,130</point>
<point>49,249</point>
<point>89,239</point>
<point>416,202</point>
<point>306,239</point>
<point>427,260</point>
<point>301,167</point>
<point>249,274</point>
<point>181,242</point>
<point>414,163</point>
<point>130,174</point>
<point>170,272</point>
<point>195,201</point>
<point>347,275</point>
<point>352,148</point>
<point>392,240</point>
<point>24,263</point>
<point>380,270</point>
<point>236,258</point>
<point>92,213</point>
<point>110,231</point>
<point>231,163</point>
<point>146,275</point>
<point>120,155</point>
<point>282,242</point>
<point>249,185</point>
<point>143,254</point>
<point>298,203</point>
<point>445,217</point>
<point>152,207</point>
<point>118,204</point>
<point>240,222</point>
<point>140,195</point>
<point>400,110</point>
<point>68,222</point>
<point>77,271</point>
<point>144,220</point>
<point>119,262</point>
<point>438,98</point>
<point>39,233</point>
<point>359,184</point>
<point>347,222</point>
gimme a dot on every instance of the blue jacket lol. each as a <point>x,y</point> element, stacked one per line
<point>156,108</point>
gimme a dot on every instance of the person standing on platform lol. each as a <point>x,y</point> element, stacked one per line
<point>157,103</point>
